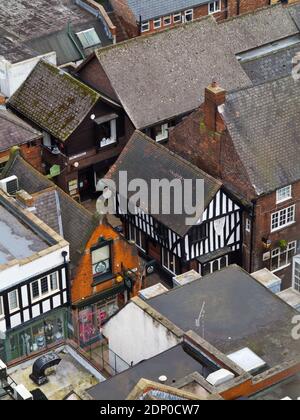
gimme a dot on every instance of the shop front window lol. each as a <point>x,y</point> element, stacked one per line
<point>91,319</point>
<point>36,337</point>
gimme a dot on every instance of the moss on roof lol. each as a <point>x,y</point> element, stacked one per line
<point>54,100</point>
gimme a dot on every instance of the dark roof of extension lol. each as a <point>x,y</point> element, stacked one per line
<point>14,131</point>
<point>163,75</point>
<point>175,364</point>
<point>54,207</point>
<point>62,42</point>
<point>239,313</point>
<point>145,159</point>
<point>24,22</point>
<point>170,69</point>
<point>264,124</point>
<point>149,9</point>
<point>54,100</point>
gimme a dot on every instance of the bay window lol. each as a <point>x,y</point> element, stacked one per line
<point>281,258</point>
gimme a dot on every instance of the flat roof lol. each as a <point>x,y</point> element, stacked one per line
<point>231,310</point>
<point>17,241</point>
<point>175,364</point>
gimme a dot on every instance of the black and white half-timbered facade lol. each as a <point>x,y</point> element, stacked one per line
<point>34,290</point>
<point>212,243</point>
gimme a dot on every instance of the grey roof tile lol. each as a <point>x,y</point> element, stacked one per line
<point>14,131</point>
<point>144,159</point>
<point>164,75</point>
<point>54,100</point>
<point>264,124</point>
<point>149,9</point>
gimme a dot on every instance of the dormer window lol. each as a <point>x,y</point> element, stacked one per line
<point>284,194</point>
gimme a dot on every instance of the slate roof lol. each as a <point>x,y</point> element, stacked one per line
<point>14,131</point>
<point>264,124</point>
<point>239,313</point>
<point>294,11</point>
<point>145,159</point>
<point>271,66</point>
<point>53,100</point>
<point>55,207</point>
<point>261,27</point>
<point>149,9</point>
<point>164,75</point>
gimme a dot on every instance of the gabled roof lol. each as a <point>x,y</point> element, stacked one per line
<point>145,159</point>
<point>54,207</point>
<point>54,100</point>
<point>149,9</point>
<point>161,76</point>
<point>264,124</point>
<point>262,27</point>
<point>14,131</point>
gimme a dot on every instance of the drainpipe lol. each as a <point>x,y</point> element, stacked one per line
<point>252,239</point>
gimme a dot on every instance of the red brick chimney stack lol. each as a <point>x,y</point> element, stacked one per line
<point>214,97</point>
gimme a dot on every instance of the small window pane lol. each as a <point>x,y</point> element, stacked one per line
<point>53,281</point>
<point>13,300</point>
<point>35,289</point>
<point>1,307</point>
<point>44,286</point>
<point>89,38</point>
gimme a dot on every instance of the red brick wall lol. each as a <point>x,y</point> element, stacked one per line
<point>122,252</point>
<point>245,6</point>
<point>126,17</point>
<point>31,153</point>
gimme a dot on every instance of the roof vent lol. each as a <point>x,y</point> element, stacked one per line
<point>163,379</point>
<point>220,377</point>
<point>247,360</point>
<point>10,185</point>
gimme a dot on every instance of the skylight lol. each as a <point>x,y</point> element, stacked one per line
<point>89,38</point>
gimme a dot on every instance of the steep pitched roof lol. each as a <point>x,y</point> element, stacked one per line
<point>54,100</point>
<point>164,75</point>
<point>149,9</point>
<point>55,207</point>
<point>14,131</point>
<point>142,158</point>
<point>264,124</point>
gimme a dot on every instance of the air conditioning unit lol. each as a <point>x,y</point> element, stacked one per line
<point>10,185</point>
<point>22,394</point>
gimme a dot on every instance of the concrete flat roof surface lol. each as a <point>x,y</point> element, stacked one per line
<point>231,310</point>
<point>17,241</point>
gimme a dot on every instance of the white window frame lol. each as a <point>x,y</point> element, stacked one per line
<point>217,5</point>
<point>189,12</point>
<point>283,256</point>
<point>170,20</point>
<point>157,23</point>
<point>281,219</point>
<point>171,260</point>
<point>296,274</point>
<point>284,194</point>
<point>17,308</point>
<point>164,134</point>
<point>50,290</point>
<point>135,235</point>
<point>145,26</point>
<point>2,315</point>
<point>177,18</point>
<point>113,135</point>
<point>97,261</point>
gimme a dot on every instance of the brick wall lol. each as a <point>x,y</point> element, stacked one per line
<point>32,153</point>
<point>122,252</point>
<point>236,7</point>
